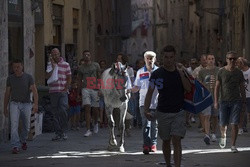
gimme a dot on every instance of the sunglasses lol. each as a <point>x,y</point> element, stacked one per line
<point>232,58</point>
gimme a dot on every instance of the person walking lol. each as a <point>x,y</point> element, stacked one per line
<point>58,91</point>
<point>242,64</point>
<point>19,86</point>
<point>149,127</point>
<point>88,74</point>
<point>207,76</point>
<point>75,101</point>
<point>171,83</point>
<point>203,64</point>
<point>102,112</point>
<point>230,85</point>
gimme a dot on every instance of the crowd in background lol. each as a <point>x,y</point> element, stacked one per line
<point>75,105</point>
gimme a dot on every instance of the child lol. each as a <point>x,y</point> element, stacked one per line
<point>75,106</point>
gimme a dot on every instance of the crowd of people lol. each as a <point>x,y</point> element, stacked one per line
<point>156,104</point>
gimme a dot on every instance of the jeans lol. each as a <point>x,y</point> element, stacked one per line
<point>137,118</point>
<point>149,129</point>
<point>23,111</point>
<point>230,112</point>
<point>59,106</point>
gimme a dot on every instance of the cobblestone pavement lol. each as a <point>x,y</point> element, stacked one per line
<point>92,151</point>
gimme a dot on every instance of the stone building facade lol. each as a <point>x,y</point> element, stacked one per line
<point>141,38</point>
<point>110,25</point>
<point>3,55</point>
<point>199,26</point>
<point>63,26</point>
<point>71,26</point>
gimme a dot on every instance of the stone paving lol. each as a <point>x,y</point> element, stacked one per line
<point>92,151</point>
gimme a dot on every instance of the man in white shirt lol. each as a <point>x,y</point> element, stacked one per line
<point>242,64</point>
<point>141,84</point>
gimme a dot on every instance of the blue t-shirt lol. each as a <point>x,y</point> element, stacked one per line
<point>170,88</point>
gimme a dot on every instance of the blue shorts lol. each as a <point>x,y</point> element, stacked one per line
<point>74,110</point>
<point>230,112</point>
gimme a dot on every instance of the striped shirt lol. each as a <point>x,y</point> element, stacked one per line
<point>63,72</point>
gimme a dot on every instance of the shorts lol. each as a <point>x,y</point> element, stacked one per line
<point>74,110</point>
<point>171,124</point>
<point>230,112</point>
<point>210,111</point>
<point>90,97</point>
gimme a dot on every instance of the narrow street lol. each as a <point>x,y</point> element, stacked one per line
<point>92,151</point>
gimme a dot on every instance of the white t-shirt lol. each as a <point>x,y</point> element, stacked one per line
<point>246,75</point>
<point>197,70</point>
<point>130,72</point>
<point>142,81</point>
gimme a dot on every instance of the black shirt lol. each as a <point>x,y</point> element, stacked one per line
<point>170,88</point>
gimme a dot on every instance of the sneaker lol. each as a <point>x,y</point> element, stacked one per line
<point>15,150</point>
<point>245,130</point>
<point>223,142</point>
<point>96,128</point>
<point>56,138</point>
<point>193,120</point>
<point>240,132</point>
<point>24,146</point>
<point>213,137</point>
<point>207,139</point>
<point>64,136</point>
<point>88,133</point>
<point>234,149</point>
<point>153,148</point>
<point>145,150</point>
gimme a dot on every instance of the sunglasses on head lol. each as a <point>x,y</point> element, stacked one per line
<point>232,58</point>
